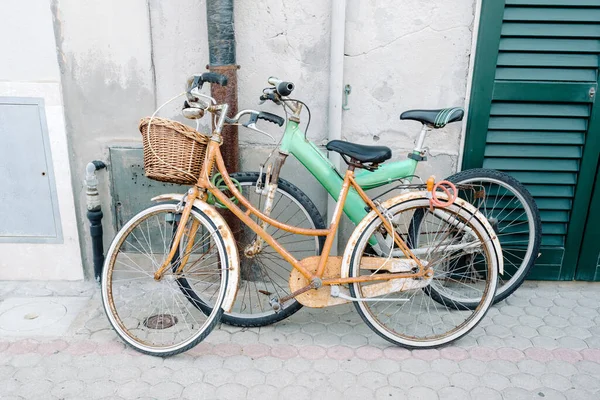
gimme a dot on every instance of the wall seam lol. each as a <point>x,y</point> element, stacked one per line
<point>152,65</point>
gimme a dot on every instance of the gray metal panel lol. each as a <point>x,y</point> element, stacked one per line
<point>29,206</point>
<point>131,190</point>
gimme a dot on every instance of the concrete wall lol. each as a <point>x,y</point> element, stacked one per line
<point>403,55</point>
<point>29,68</point>
<point>119,60</point>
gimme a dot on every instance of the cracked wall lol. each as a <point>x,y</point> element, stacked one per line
<point>119,60</point>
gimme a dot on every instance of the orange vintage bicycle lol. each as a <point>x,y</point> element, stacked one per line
<point>173,269</point>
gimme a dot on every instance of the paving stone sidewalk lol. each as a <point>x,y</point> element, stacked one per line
<point>543,342</point>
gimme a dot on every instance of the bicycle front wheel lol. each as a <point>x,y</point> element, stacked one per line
<point>415,316</point>
<point>159,317</point>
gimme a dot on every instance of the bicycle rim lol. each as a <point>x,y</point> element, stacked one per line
<point>414,318</point>
<point>157,317</point>
<point>266,275</point>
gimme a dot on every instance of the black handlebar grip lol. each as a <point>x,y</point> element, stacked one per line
<point>267,116</point>
<point>285,88</point>
<point>213,77</point>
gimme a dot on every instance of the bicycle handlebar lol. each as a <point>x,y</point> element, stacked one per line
<point>282,88</point>
<point>267,116</point>
<point>196,81</point>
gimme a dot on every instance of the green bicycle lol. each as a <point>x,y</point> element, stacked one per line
<point>506,203</point>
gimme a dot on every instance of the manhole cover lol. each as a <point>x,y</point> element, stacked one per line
<point>32,316</point>
<point>160,321</point>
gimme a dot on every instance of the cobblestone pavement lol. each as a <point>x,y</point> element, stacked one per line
<point>543,342</point>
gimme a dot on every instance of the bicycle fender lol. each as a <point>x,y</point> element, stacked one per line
<point>353,240</point>
<point>230,245</point>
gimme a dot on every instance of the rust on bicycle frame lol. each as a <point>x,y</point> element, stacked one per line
<point>191,196</point>
<point>214,157</point>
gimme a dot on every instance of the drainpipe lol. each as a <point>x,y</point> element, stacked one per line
<point>221,45</point>
<point>336,88</point>
<point>94,215</point>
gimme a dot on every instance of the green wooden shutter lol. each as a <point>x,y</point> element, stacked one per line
<point>536,71</point>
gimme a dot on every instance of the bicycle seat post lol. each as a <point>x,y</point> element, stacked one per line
<point>424,131</point>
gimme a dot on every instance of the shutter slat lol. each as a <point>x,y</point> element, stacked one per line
<point>536,137</point>
<point>553,241</point>
<point>554,204</point>
<point>533,164</point>
<point>552,178</point>
<point>551,30</point>
<point>521,216</point>
<point>537,124</point>
<point>550,45</point>
<point>547,228</point>
<point>536,110</point>
<point>553,3</point>
<point>543,203</point>
<point>551,190</point>
<point>543,92</point>
<point>552,14</point>
<point>516,150</point>
<point>554,216</point>
<point>554,229</point>
<point>548,60</point>
<point>546,74</point>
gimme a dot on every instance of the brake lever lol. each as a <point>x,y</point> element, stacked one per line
<point>270,95</point>
<point>251,124</point>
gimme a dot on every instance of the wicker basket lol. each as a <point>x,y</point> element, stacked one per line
<point>173,152</point>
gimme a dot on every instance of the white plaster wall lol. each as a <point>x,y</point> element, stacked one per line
<point>119,60</point>
<point>30,69</point>
<point>108,85</point>
<point>407,55</point>
<point>274,37</point>
<point>289,40</point>
<point>402,55</point>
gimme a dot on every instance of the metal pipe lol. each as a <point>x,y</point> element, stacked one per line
<point>336,89</point>
<point>94,215</point>
<point>221,45</point>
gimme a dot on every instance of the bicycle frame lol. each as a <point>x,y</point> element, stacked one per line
<point>324,171</point>
<point>349,182</point>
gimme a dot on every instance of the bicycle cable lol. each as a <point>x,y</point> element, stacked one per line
<point>307,109</point>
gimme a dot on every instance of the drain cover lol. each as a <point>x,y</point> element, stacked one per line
<point>39,316</point>
<point>32,316</point>
<point>160,321</point>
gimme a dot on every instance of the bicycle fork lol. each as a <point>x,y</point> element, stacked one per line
<point>187,210</point>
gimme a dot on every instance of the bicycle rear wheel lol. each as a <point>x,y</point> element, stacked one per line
<point>265,275</point>
<point>512,212</point>
<point>418,316</point>
<point>158,317</point>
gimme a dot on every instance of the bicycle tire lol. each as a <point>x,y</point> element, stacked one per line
<point>403,323</point>
<point>481,175</point>
<point>148,324</point>
<point>267,316</point>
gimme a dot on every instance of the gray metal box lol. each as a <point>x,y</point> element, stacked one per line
<point>28,203</point>
<point>131,190</point>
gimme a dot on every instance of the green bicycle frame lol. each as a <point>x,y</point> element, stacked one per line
<point>323,170</point>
